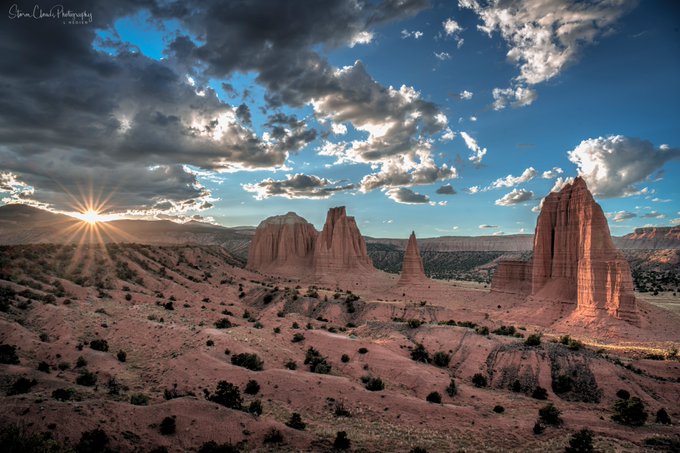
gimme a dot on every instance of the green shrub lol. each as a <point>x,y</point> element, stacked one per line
<point>341,441</point>
<point>298,337</point>
<point>86,378</point>
<point>420,354</point>
<point>414,323</point>
<point>441,359</point>
<point>451,390</point>
<point>99,345</point>
<point>434,397</point>
<point>252,387</point>
<point>214,447</point>
<point>630,412</point>
<point>540,393</point>
<point>533,340</point>
<point>63,394</point>
<point>44,367</point>
<point>373,384</point>
<point>290,364</point>
<point>362,351</point>
<point>8,354</point>
<point>505,330</point>
<point>81,362</point>
<point>538,427</point>
<point>581,442</point>
<point>479,380</point>
<point>94,441</point>
<point>550,415</point>
<point>663,417</point>
<point>226,394</point>
<point>168,426</point>
<point>482,330</point>
<point>498,409</point>
<point>344,358</point>
<point>623,394</point>
<point>122,356</point>
<point>255,407</point>
<point>562,384</point>
<point>139,399</point>
<point>296,422</point>
<point>317,363</point>
<point>223,323</point>
<point>247,360</point>
<point>273,436</point>
<point>21,385</point>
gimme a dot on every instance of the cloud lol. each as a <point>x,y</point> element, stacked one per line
<point>406,196</point>
<point>472,189</point>
<point>415,34</point>
<point>676,221</point>
<point>442,56</point>
<point>614,165</point>
<point>484,226</point>
<point>448,135</point>
<point>446,189</point>
<point>621,216</point>
<point>296,186</point>
<point>516,97</point>
<point>511,181</point>
<point>478,152</point>
<point>550,174</point>
<point>653,215</point>
<point>515,197</point>
<point>544,37</point>
<point>465,95</point>
<point>453,29</point>
<point>498,233</point>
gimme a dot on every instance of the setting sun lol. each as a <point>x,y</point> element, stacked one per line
<point>91,216</point>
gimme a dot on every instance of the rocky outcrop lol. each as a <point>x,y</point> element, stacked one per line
<point>283,245</point>
<point>574,260</point>
<point>412,272</point>
<point>651,238</point>
<point>512,276</point>
<point>340,248</point>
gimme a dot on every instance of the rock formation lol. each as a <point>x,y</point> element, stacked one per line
<point>574,261</point>
<point>283,245</point>
<point>412,272</point>
<point>340,248</point>
<point>512,276</point>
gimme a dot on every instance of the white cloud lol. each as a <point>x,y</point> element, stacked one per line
<point>560,183</point>
<point>511,181</point>
<point>451,27</point>
<point>661,200</point>
<point>545,36</point>
<point>497,233</point>
<point>621,216</point>
<point>473,119</point>
<point>472,189</point>
<point>296,186</point>
<point>338,128</point>
<point>478,152</point>
<point>403,195</point>
<point>448,135</point>
<point>519,96</point>
<point>484,226</point>
<point>676,221</point>
<point>363,37</point>
<point>515,197</point>
<point>465,95</point>
<point>653,215</point>
<point>415,34</point>
<point>550,174</point>
<point>613,166</point>
<point>442,56</point>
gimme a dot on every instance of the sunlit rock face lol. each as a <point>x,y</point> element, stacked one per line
<point>340,248</point>
<point>412,272</point>
<point>283,245</point>
<point>575,261</point>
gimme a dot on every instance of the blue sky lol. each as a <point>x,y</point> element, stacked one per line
<point>598,98</point>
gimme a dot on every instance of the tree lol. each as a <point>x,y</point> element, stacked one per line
<point>581,442</point>
<point>341,441</point>
<point>441,359</point>
<point>247,360</point>
<point>434,397</point>
<point>479,380</point>
<point>630,412</point>
<point>550,415</point>
<point>296,422</point>
<point>168,426</point>
<point>228,395</point>
<point>420,354</point>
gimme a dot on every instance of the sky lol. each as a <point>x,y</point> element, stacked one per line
<point>443,117</point>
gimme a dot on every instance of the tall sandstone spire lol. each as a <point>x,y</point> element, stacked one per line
<point>412,271</point>
<point>340,248</point>
<point>575,261</point>
<point>282,244</point>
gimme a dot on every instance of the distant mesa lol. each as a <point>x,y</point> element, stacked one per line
<point>412,271</point>
<point>574,259</point>
<point>289,245</point>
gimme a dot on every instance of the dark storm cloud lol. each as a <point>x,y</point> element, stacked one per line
<point>446,189</point>
<point>296,186</point>
<point>69,112</point>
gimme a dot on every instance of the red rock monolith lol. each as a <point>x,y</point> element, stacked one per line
<point>412,271</point>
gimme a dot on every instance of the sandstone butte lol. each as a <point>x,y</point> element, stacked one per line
<point>282,244</point>
<point>412,272</point>
<point>289,245</point>
<point>574,259</point>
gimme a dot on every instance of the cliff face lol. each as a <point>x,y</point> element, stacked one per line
<point>412,271</point>
<point>283,245</point>
<point>340,248</point>
<point>651,238</point>
<point>512,276</point>
<point>574,261</point>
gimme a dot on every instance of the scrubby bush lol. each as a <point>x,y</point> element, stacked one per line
<point>581,442</point>
<point>252,387</point>
<point>86,378</point>
<point>99,345</point>
<point>533,340</point>
<point>81,362</point>
<point>562,384</point>
<point>226,394</point>
<point>414,323</point>
<point>498,409</point>
<point>168,426</point>
<point>505,330</point>
<point>273,436</point>
<point>434,397</point>
<point>267,298</point>
<point>362,351</point>
<point>451,390</point>
<point>63,394</point>
<point>255,407</point>
<point>94,441</point>
<point>341,441</point>
<point>223,323</point>
<point>344,358</point>
<point>296,422</point>
<point>441,359</point>
<point>479,380</point>
<point>247,360</point>
<point>139,399</point>
<point>317,363</point>
<point>44,367</point>
<point>214,447</point>
<point>122,356</point>
<point>550,415</point>
<point>8,354</point>
<point>623,394</point>
<point>210,343</point>
<point>420,354</point>
<point>540,393</point>
<point>538,428</point>
<point>630,412</point>
<point>663,417</point>
<point>373,384</point>
<point>21,385</point>
<point>298,337</point>
<point>290,364</point>
<point>482,330</point>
